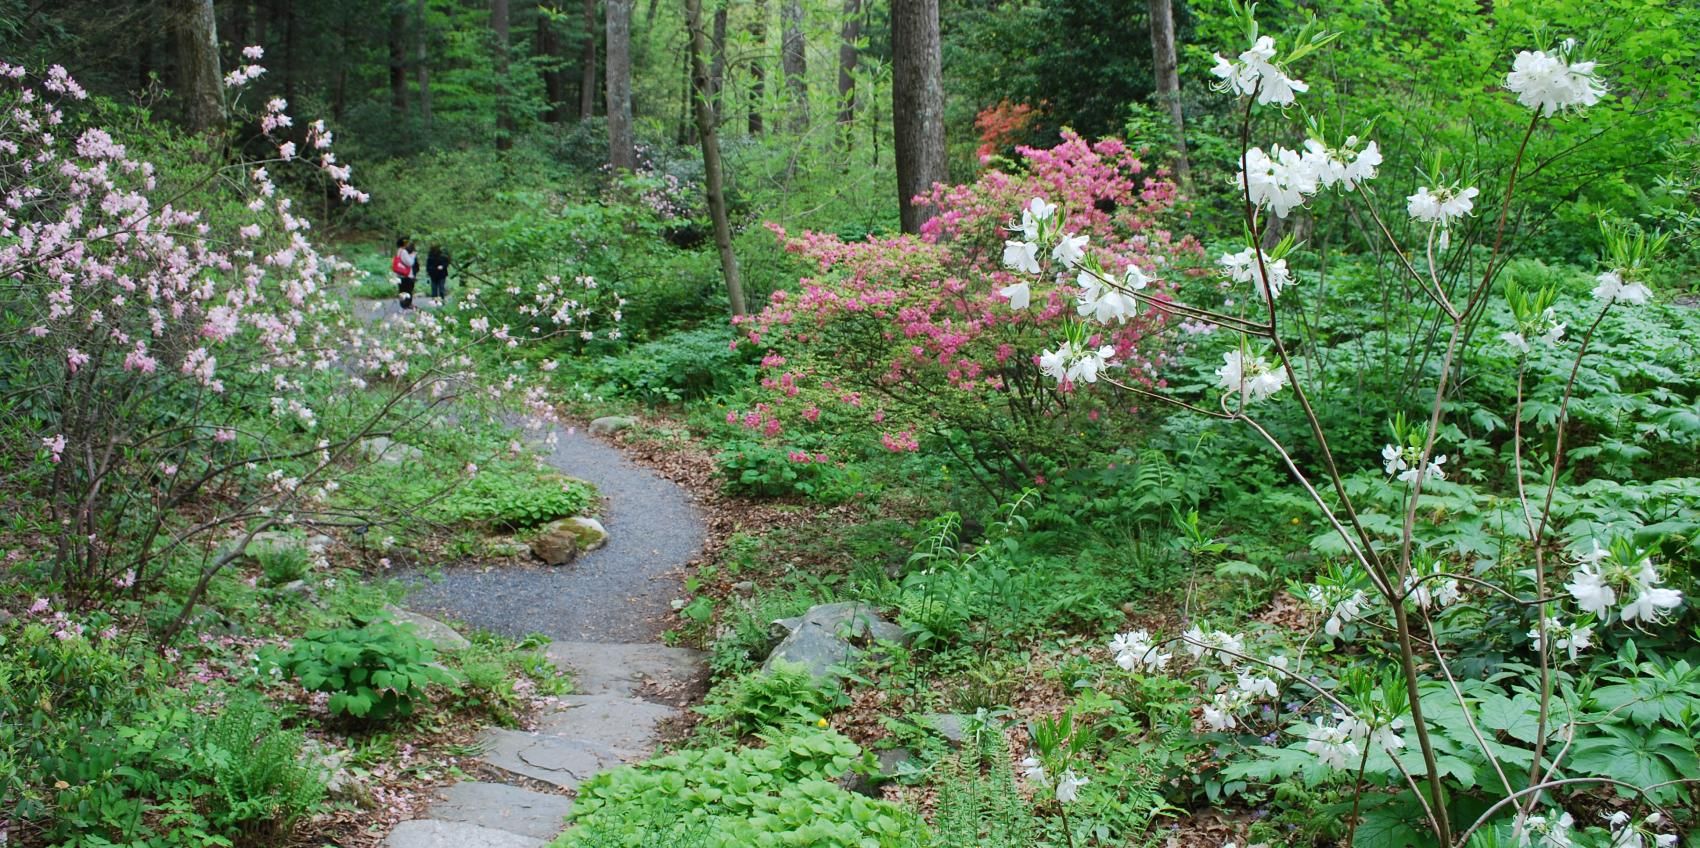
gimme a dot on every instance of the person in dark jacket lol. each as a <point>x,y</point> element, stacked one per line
<point>437,268</point>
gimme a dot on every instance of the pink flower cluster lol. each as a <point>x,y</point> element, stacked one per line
<point>919,321</point>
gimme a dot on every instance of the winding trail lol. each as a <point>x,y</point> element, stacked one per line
<point>604,613</point>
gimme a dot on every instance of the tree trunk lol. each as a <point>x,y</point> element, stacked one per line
<point>758,68</point>
<point>200,83</point>
<point>238,32</point>
<point>587,65</point>
<point>422,63</point>
<point>706,121</point>
<point>398,60</point>
<point>847,36</point>
<point>1168,79</point>
<point>621,148</point>
<point>504,88</point>
<point>717,70</point>
<point>290,20</point>
<point>917,106</point>
<point>548,48</point>
<point>793,60</point>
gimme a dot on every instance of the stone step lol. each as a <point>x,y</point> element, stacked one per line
<point>502,807</point>
<point>430,833</point>
<point>629,726</point>
<point>554,760</point>
<point>615,668</point>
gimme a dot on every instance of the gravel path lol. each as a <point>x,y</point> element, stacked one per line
<point>620,593</point>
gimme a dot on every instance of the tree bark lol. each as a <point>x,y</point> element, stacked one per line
<point>706,121</point>
<point>547,44</point>
<point>622,153</point>
<point>398,59</point>
<point>917,106</point>
<point>504,87</point>
<point>587,65</point>
<point>758,68</point>
<point>199,81</point>
<point>847,58</point>
<point>717,69</point>
<point>793,60</point>
<point>422,63</point>
<point>1168,79</point>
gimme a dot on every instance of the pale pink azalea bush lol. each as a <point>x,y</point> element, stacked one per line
<point>900,338</point>
<point>158,356</point>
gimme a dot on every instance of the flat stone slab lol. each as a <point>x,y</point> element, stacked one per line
<point>502,807</point>
<point>609,668</point>
<point>442,636</point>
<point>559,762</point>
<point>625,724</point>
<point>429,833</point>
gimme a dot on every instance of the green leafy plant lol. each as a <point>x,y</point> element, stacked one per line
<point>259,785</point>
<point>373,673</point>
<point>782,696</point>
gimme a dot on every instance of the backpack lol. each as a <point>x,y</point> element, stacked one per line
<point>399,267</point>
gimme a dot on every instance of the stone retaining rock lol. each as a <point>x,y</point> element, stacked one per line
<point>610,424</point>
<point>829,635</point>
<point>440,635</point>
<point>561,541</point>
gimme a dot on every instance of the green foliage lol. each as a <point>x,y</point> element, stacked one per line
<point>687,365</point>
<point>783,696</point>
<point>373,673</point>
<point>780,794</point>
<point>978,802</point>
<point>767,470</point>
<point>259,784</point>
<point>283,564</point>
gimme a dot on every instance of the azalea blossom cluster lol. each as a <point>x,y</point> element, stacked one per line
<point>1282,179</point>
<point>1067,786</point>
<point>1550,82</point>
<point>895,332</point>
<point>1338,741</point>
<point>1256,73</point>
<point>1404,461</point>
<point>1621,574</point>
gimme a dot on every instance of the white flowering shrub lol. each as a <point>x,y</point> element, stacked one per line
<point>1370,698</point>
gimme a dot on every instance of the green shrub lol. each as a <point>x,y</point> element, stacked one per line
<point>780,794</point>
<point>513,496</point>
<point>688,365</point>
<point>259,784</point>
<point>283,564</point>
<point>769,471</point>
<point>373,673</point>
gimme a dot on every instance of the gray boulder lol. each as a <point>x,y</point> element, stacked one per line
<point>560,542</point>
<point>440,635</point>
<point>608,425</point>
<point>829,635</point>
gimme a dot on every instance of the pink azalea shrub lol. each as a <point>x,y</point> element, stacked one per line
<point>158,356</point>
<point>905,337</point>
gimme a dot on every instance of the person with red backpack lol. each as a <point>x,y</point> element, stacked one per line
<point>405,266</point>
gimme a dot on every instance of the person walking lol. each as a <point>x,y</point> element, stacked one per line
<point>437,268</point>
<point>404,265</point>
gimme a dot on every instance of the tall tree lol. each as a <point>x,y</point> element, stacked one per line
<point>847,58</point>
<point>199,81</point>
<point>546,42</point>
<point>1168,78</point>
<point>587,64</point>
<point>398,58</point>
<point>917,106</point>
<point>504,86</point>
<point>758,67</point>
<point>422,62</point>
<point>717,67</point>
<point>793,60</point>
<point>622,153</point>
<point>706,132</point>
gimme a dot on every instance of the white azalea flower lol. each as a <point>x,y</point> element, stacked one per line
<point>1393,460</point>
<point>1550,83</point>
<point>1441,205</point>
<point>1650,602</point>
<point>1334,744</point>
<point>1033,216</point>
<point>1068,786</point>
<point>1515,341</point>
<point>1020,295</point>
<point>1280,181</point>
<point>1034,771</point>
<point>1569,638</point>
<point>1070,250</point>
<point>1104,303</point>
<point>1551,832</point>
<point>1612,289</point>
<point>1432,471</point>
<point>1242,267</point>
<point>1133,652</point>
<point>1255,72</point>
<point>1021,256</point>
<point>1589,589</point>
<point>1249,375</point>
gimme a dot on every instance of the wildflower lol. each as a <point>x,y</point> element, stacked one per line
<point>1442,205</point>
<point>1244,267</point>
<point>1019,295</point>
<point>1075,364</point>
<point>1552,832</point>
<point>1613,288</point>
<point>1021,256</point>
<point>1105,303</point>
<point>1431,471</point>
<point>1068,786</point>
<point>1550,83</point>
<point>1034,771</point>
<point>1249,375</point>
<point>1334,744</point>
<point>1570,638</point>
<point>1133,652</point>
<point>1070,249</point>
<point>1343,166</point>
<point>1280,181</point>
<point>55,445</point>
<point>1034,216</point>
<point>1255,72</point>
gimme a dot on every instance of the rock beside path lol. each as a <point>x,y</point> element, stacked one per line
<point>430,833</point>
<point>611,424</point>
<point>561,541</point>
<point>440,635</point>
<point>499,806</point>
<point>830,635</point>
